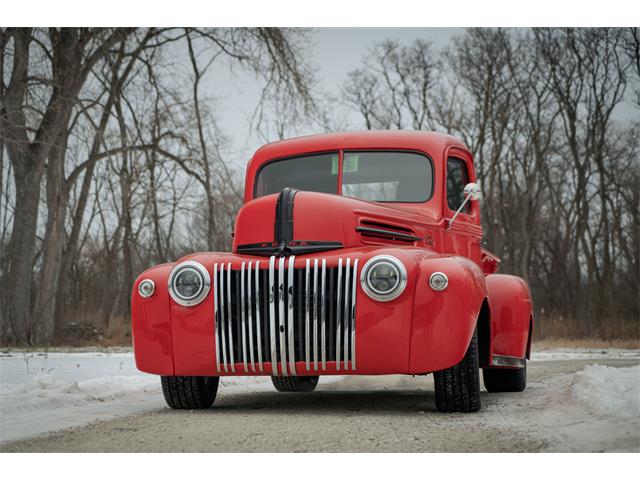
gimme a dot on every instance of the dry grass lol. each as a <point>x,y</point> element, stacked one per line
<point>549,344</point>
<point>612,330</point>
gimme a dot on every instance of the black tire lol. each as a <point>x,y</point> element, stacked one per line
<point>458,387</point>
<point>190,392</point>
<point>505,379</point>
<point>295,384</point>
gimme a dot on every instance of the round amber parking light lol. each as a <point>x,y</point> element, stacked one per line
<point>438,281</point>
<point>146,288</point>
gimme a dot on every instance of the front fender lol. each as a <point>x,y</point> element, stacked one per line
<point>444,322</point>
<point>151,323</point>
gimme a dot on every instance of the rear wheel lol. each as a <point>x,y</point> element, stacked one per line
<point>458,387</point>
<point>505,379</point>
<point>295,384</point>
<point>190,392</point>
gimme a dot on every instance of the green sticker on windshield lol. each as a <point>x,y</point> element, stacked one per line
<point>350,164</point>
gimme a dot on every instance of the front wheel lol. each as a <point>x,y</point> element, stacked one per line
<point>458,387</point>
<point>190,392</point>
<point>295,384</point>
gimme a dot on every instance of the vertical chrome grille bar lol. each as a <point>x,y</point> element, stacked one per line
<point>281,326</point>
<point>250,317</point>
<point>243,317</point>
<point>272,316</point>
<point>323,317</point>
<point>230,318</point>
<point>306,315</point>
<point>315,314</point>
<point>354,292</point>
<point>346,314</point>
<point>291,343</point>
<point>222,320</point>
<point>258,322</point>
<point>216,312</point>
<point>338,313</point>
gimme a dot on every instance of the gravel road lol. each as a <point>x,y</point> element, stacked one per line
<point>365,414</point>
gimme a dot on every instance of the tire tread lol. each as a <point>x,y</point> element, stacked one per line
<point>189,392</point>
<point>295,384</point>
<point>458,387</point>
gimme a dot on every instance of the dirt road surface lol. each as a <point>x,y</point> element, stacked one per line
<point>365,414</point>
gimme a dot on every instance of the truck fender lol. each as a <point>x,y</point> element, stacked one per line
<point>151,323</point>
<point>511,318</point>
<point>444,321</point>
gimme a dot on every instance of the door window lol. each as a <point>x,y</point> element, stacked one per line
<point>457,178</point>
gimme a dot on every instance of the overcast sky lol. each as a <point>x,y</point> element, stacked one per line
<point>336,52</point>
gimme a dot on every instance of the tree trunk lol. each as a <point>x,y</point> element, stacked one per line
<point>57,199</point>
<point>17,281</point>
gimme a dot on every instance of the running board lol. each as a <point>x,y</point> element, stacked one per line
<point>505,361</point>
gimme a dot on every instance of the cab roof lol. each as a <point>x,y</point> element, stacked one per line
<point>402,139</point>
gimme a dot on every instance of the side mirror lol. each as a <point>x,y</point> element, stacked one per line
<point>472,191</point>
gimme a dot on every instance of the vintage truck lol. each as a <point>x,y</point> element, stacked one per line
<point>353,254</point>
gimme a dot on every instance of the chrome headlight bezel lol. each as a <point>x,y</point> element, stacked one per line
<point>201,294</point>
<point>376,294</point>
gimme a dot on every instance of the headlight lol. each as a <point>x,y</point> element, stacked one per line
<point>383,278</point>
<point>146,288</point>
<point>189,283</point>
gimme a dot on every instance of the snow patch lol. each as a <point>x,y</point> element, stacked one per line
<point>50,392</point>
<point>608,390</point>
<point>46,391</point>
<point>585,354</point>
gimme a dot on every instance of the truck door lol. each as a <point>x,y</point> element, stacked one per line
<point>464,235</point>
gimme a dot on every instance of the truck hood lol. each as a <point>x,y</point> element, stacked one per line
<point>299,222</point>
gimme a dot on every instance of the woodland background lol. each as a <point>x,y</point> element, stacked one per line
<point>113,158</point>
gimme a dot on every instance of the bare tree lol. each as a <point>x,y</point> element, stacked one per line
<point>559,175</point>
<point>73,54</point>
<point>395,87</point>
<point>86,91</point>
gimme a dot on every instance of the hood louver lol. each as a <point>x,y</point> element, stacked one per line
<point>381,231</point>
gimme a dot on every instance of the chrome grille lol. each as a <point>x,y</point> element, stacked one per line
<point>280,315</point>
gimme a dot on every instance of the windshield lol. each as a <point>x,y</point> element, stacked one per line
<point>376,176</point>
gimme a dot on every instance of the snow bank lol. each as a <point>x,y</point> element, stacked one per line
<point>47,392</point>
<point>50,392</point>
<point>608,390</point>
<point>42,392</point>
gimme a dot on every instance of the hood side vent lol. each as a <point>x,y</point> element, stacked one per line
<point>378,232</point>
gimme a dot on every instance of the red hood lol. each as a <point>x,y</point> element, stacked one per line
<point>313,221</point>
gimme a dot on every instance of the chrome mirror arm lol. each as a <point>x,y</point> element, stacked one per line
<point>466,199</point>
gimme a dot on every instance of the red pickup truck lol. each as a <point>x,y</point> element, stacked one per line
<point>354,254</point>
